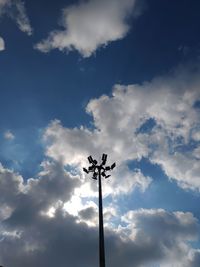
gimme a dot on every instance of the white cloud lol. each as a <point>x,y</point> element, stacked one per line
<point>89,25</point>
<point>9,135</point>
<point>36,229</point>
<point>179,166</point>
<point>2,44</point>
<point>21,17</point>
<point>15,9</point>
<point>73,146</point>
<point>169,101</point>
<point>196,135</point>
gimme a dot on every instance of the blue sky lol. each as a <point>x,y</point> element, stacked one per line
<point>92,77</point>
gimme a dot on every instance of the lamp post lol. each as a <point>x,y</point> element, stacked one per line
<point>99,170</point>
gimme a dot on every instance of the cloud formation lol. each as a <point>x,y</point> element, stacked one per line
<point>36,229</point>
<point>18,14</point>
<point>163,235</point>
<point>72,147</point>
<point>89,25</point>
<point>172,104</point>
<point>15,9</point>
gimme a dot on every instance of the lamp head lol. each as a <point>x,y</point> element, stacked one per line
<point>104,159</point>
<point>85,170</point>
<point>90,159</point>
<point>113,166</point>
<point>91,168</point>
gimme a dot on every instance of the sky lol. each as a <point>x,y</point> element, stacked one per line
<point>80,78</point>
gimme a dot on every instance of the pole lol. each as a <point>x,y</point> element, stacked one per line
<point>101,230</point>
<point>98,170</point>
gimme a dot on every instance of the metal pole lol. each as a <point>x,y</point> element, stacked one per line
<point>99,170</point>
<point>101,230</point>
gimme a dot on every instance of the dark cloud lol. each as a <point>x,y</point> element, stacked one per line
<point>28,200</point>
<point>88,213</point>
<point>194,259</point>
<point>52,241</point>
<point>30,236</point>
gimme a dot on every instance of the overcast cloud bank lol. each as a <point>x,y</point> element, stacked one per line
<point>37,230</point>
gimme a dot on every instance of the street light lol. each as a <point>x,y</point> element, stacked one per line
<point>98,171</point>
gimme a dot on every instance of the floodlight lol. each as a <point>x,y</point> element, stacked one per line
<point>104,157</point>
<point>91,168</point>
<point>85,170</point>
<point>99,171</point>
<point>103,174</point>
<point>113,166</point>
<point>95,176</point>
<point>90,159</point>
<point>104,160</point>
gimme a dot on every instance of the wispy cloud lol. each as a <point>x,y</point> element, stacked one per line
<point>89,25</point>
<point>18,13</point>
<point>2,44</point>
<point>15,9</point>
<point>9,135</point>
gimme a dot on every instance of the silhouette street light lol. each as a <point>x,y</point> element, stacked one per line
<point>98,171</point>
